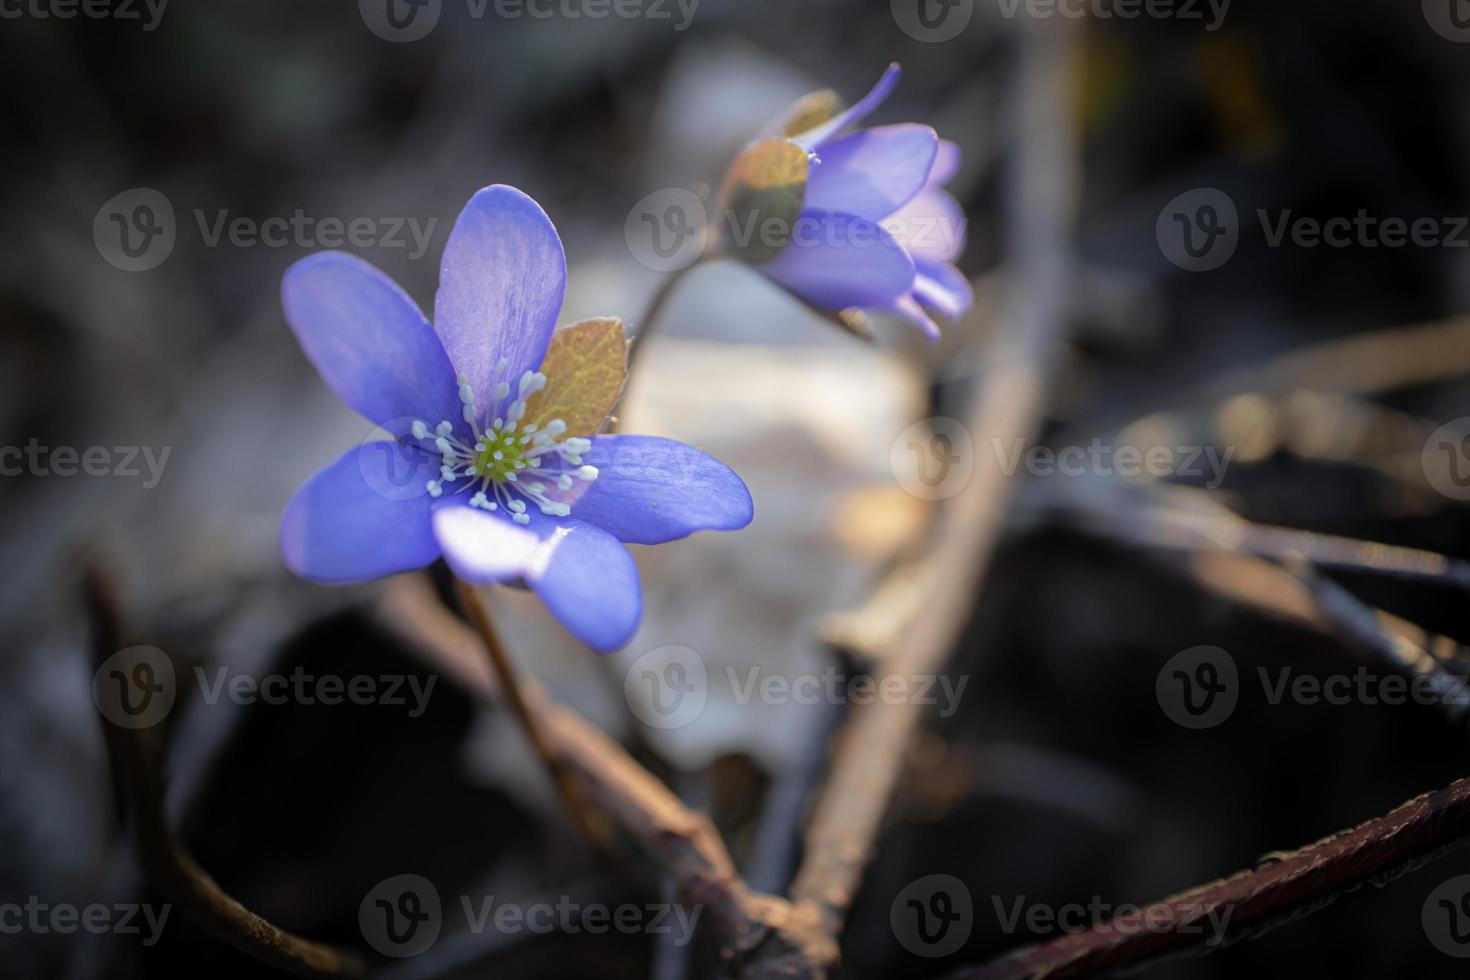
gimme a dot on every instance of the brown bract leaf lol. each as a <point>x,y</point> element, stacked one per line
<point>810,111</point>
<point>763,193</point>
<point>585,366</point>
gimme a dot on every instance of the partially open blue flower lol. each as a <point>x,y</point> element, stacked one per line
<point>497,465</point>
<point>869,225</point>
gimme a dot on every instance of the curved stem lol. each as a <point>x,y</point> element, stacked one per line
<point>656,307</point>
<point>570,791</point>
<point>137,758</point>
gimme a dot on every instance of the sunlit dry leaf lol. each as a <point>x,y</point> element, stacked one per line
<point>585,365</point>
<point>763,194</point>
<point>810,111</point>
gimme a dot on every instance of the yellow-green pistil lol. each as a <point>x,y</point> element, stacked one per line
<point>506,460</point>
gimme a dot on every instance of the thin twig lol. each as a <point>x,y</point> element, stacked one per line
<point>137,759</point>
<point>588,821</point>
<point>1294,591</point>
<point>1187,518</point>
<point>1250,903</point>
<point>1010,396</point>
<point>680,842</point>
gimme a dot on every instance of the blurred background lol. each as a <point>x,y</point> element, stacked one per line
<point>1330,372</point>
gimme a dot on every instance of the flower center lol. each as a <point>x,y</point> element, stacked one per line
<point>502,454</point>
<point>509,462</point>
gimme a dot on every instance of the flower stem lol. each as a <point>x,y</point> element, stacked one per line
<point>656,307</point>
<point>573,799</point>
<point>137,760</point>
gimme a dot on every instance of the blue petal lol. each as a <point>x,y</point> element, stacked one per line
<point>584,576</point>
<point>941,286</point>
<point>946,163</point>
<point>368,341</point>
<point>482,546</point>
<point>815,137</point>
<point>501,285</point>
<point>872,172</point>
<point>835,261</point>
<point>651,490</point>
<point>362,517</point>
<point>589,582</point>
<point>931,226</point>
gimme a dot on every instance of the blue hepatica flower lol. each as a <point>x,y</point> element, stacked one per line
<point>495,422</point>
<point>870,226</point>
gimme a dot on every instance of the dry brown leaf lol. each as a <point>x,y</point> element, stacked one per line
<point>585,366</point>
